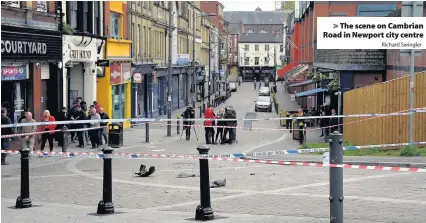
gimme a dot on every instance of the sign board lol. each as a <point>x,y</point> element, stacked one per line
<point>115,72</point>
<point>125,70</point>
<point>293,97</point>
<point>182,59</point>
<point>137,78</point>
<point>102,63</point>
<point>13,73</point>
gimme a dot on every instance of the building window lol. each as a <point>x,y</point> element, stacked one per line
<point>41,6</point>
<point>97,18</point>
<point>138,42</point>
<point>256,61</point>
<point>86,26</point>
<point>14,4</point>
<point>250,30</point>
<point>266,59</point>
<point>246,47</point>
<point>266,47</point>
<point>115,25</point>
<point>247,61</point>
<point>375,10</point>
<point>281,48</point>
<point>263,30</point>
<point>72,15</point>
<point>256,47</point>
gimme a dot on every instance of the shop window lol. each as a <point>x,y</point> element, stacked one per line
<point>256,47</point>
<point>115,26</point>
<point>375,10</point>
<point>256,61</point>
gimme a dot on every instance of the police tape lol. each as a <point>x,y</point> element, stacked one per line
<point>50,131</point>
<point>136,120</point>
<point>228,155</point>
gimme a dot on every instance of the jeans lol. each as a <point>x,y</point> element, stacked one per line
<point>95,137</point>
<point>209,134</point>
<point>28,143</point>
<point>219,131</point>
<point>104,134</point>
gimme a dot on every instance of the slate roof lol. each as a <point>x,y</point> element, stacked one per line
<point>256,17</point>
<point>260,38</point>
<point>234,28</point>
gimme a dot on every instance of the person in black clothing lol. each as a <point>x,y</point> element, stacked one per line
<point>189,113</point>
<point>104,125</point>
<point>62,116</point>
<point>77,116</point>
<point>229,114</point>
<point>5,120</point>
<point>333,122</point>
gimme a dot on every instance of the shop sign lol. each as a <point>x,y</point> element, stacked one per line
<point>102,63</point>
<point>127,76</point>
<point>23,47</point>
<point>80,54</point>
<point>13,73</point>
<point>137,78</point>
<point>115,71</point>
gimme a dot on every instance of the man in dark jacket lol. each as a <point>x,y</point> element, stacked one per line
<point>334,122</point>
<point>79,115</point>
<point>5,120</point>
<point>104,125</point>
<point>189,113</point>
<point>62,116</point>
<point>229,125</point>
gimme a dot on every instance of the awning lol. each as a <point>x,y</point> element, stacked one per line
<point>302,83</point>
<point>296,71</point>
<point>310,92</point>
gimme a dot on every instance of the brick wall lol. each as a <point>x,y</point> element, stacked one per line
<point>398,66</point>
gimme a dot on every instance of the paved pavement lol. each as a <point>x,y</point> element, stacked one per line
<point>69,189</point>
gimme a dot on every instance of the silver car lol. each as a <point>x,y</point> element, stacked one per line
<point>264,91</point>
<point>263,103</point>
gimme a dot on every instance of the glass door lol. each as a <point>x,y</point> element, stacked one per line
<point>118,100</point>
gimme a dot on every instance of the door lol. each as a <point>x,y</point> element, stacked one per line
<point>118,101</point>
<point>175,92</point>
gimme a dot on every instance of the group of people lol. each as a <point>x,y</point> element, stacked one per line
<point>225,123</point>
<point>79,111</point>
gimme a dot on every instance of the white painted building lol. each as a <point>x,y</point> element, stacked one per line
<point>259,54</point>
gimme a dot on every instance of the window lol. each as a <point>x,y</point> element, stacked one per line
<point>145,42</point>
<point>250,30</point>
<point>41,6</point>
<point>374,10</point>
<point>256,47</point>
<point>72,15</point>
<point>85,17</point>
<point>266,47</point>
<point>160,13</point>
<point>246,47</point>
<point>138,41</point>
<point>266,59</point>
<point>141,46</point>
<point>263,30</point>
<point>115,25</point>
<point>14,4</point>
<point>149,45</point>
<point>242,60</point>
<point>281,48</point>
<point>256,61</point>
<point>97,18</point>
<point>247,61</point>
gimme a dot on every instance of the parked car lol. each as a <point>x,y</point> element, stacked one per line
<point>233,87</point>
<point>263,103</point>
<point>264,91</point>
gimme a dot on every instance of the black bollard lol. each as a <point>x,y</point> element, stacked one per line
<point>146,128</point>
<point>106,206</point>
<point>178,125</point>
<point>64,139</point>
<point>204,211</point>
<point>336,178</point>
<point>24,200</point>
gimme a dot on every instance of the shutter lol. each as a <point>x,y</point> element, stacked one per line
<point>45,71</point>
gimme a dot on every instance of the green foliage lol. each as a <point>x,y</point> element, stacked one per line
<point>334,86</point>
<point>67,29</point>
<point>288,5</point>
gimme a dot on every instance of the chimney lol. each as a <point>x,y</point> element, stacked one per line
<point>241,27</point>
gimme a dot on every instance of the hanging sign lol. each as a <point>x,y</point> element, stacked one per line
<point>13,73</point>
<point>115,71</point>
<point>125,70</point>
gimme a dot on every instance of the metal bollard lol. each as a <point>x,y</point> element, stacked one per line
<point>146,129</point>
<point>178,125</point>
<point>336,178</point>
<point>64,139</point>
<point>204,211</point>
<point>105,206</point>
<point>24,200</point>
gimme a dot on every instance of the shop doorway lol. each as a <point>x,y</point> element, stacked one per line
<point>14,98</point>
<point>118,101</point>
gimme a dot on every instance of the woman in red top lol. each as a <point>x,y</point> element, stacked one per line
<point>49,127</point>
<point>209,130</point>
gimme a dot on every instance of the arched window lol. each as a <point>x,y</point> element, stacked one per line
<point>263,30</point>
<point>250,30</point>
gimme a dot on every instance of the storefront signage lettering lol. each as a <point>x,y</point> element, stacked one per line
<point>11,73</point>
<point>125,70</point>
<point>23,47</point>
<point>80,54</point>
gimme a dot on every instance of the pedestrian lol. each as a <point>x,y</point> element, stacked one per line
<point>83,105</point>
<point>220,125</point>
<point>255,84</point>
<point>49,130</point>
<point>334,123</point>
<point>28,139</point>
<point>5,120</point>
<point>301,125</point>
<point>70,117</point>
<point>62,116</point>
<point>229,125</point>
<point>97,106</point>
<point>209,129</point>
<point>324,122</point>
<point>189,113</point>
<point>79,115</point>
<point>95,134</point>
<point>104,125</point>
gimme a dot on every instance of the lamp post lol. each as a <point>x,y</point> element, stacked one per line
<point>194,93</point>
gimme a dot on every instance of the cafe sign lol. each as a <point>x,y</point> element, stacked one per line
<point>80,54</point>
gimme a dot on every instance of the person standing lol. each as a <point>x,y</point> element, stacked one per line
<point>209,129</point>
<point>62,116</point>
<point>334,123</point>
<point>28,140</point>
<point>5,120</point>
<point>95,137</point>
<point>229,124</point>
<point>189,113</point>
<point>78,115</point>
<point>301,125</point>
<point>104,125</point>
<point>255,84</point>
<point>49,129</point>
<point>220,125</point>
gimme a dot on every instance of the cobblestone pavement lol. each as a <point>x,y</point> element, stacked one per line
<point>68,189</point>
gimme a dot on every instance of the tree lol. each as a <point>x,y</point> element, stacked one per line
<point>287,5</point>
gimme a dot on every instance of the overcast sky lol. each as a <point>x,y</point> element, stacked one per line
<point>265,5</point>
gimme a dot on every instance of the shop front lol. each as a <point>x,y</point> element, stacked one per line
<point>80,54</point>
<point>114,89</point>
<point>141,88</point>
<point>30,71</point>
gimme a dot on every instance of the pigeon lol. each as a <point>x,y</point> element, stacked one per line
<point>218,183</point>
<point>186,175</point>
<point>143,172</point>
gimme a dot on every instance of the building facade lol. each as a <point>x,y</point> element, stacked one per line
<point>31,53</point>
<point>115,95</point>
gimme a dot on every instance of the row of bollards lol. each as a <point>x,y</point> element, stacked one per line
<point>203,211</point>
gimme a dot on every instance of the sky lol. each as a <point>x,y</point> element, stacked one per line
<point>265,5</point>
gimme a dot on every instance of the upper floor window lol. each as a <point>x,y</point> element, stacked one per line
<point>266,59</point>
<point>250,30</point>
<point>256,47</point>
<point>247,61</point>
<point>373,10</point>
<point>246,47</point>
<point>266,47</point>
<point>72,13</point>
<point>41,6</point>
<point>281,48</point>
<point>256,61</point>
<point>97,18</point>
<point>14,4</point>
<point>115,30</point>
<point>263,30</point>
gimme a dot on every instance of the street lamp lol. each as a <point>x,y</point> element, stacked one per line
<point>193,55</point>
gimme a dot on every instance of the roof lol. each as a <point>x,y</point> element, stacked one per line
<point>256,17</point>
<point>260,38</point>
<point>234,28</point>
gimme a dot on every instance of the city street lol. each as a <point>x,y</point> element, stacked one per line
<point>69,189</point>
